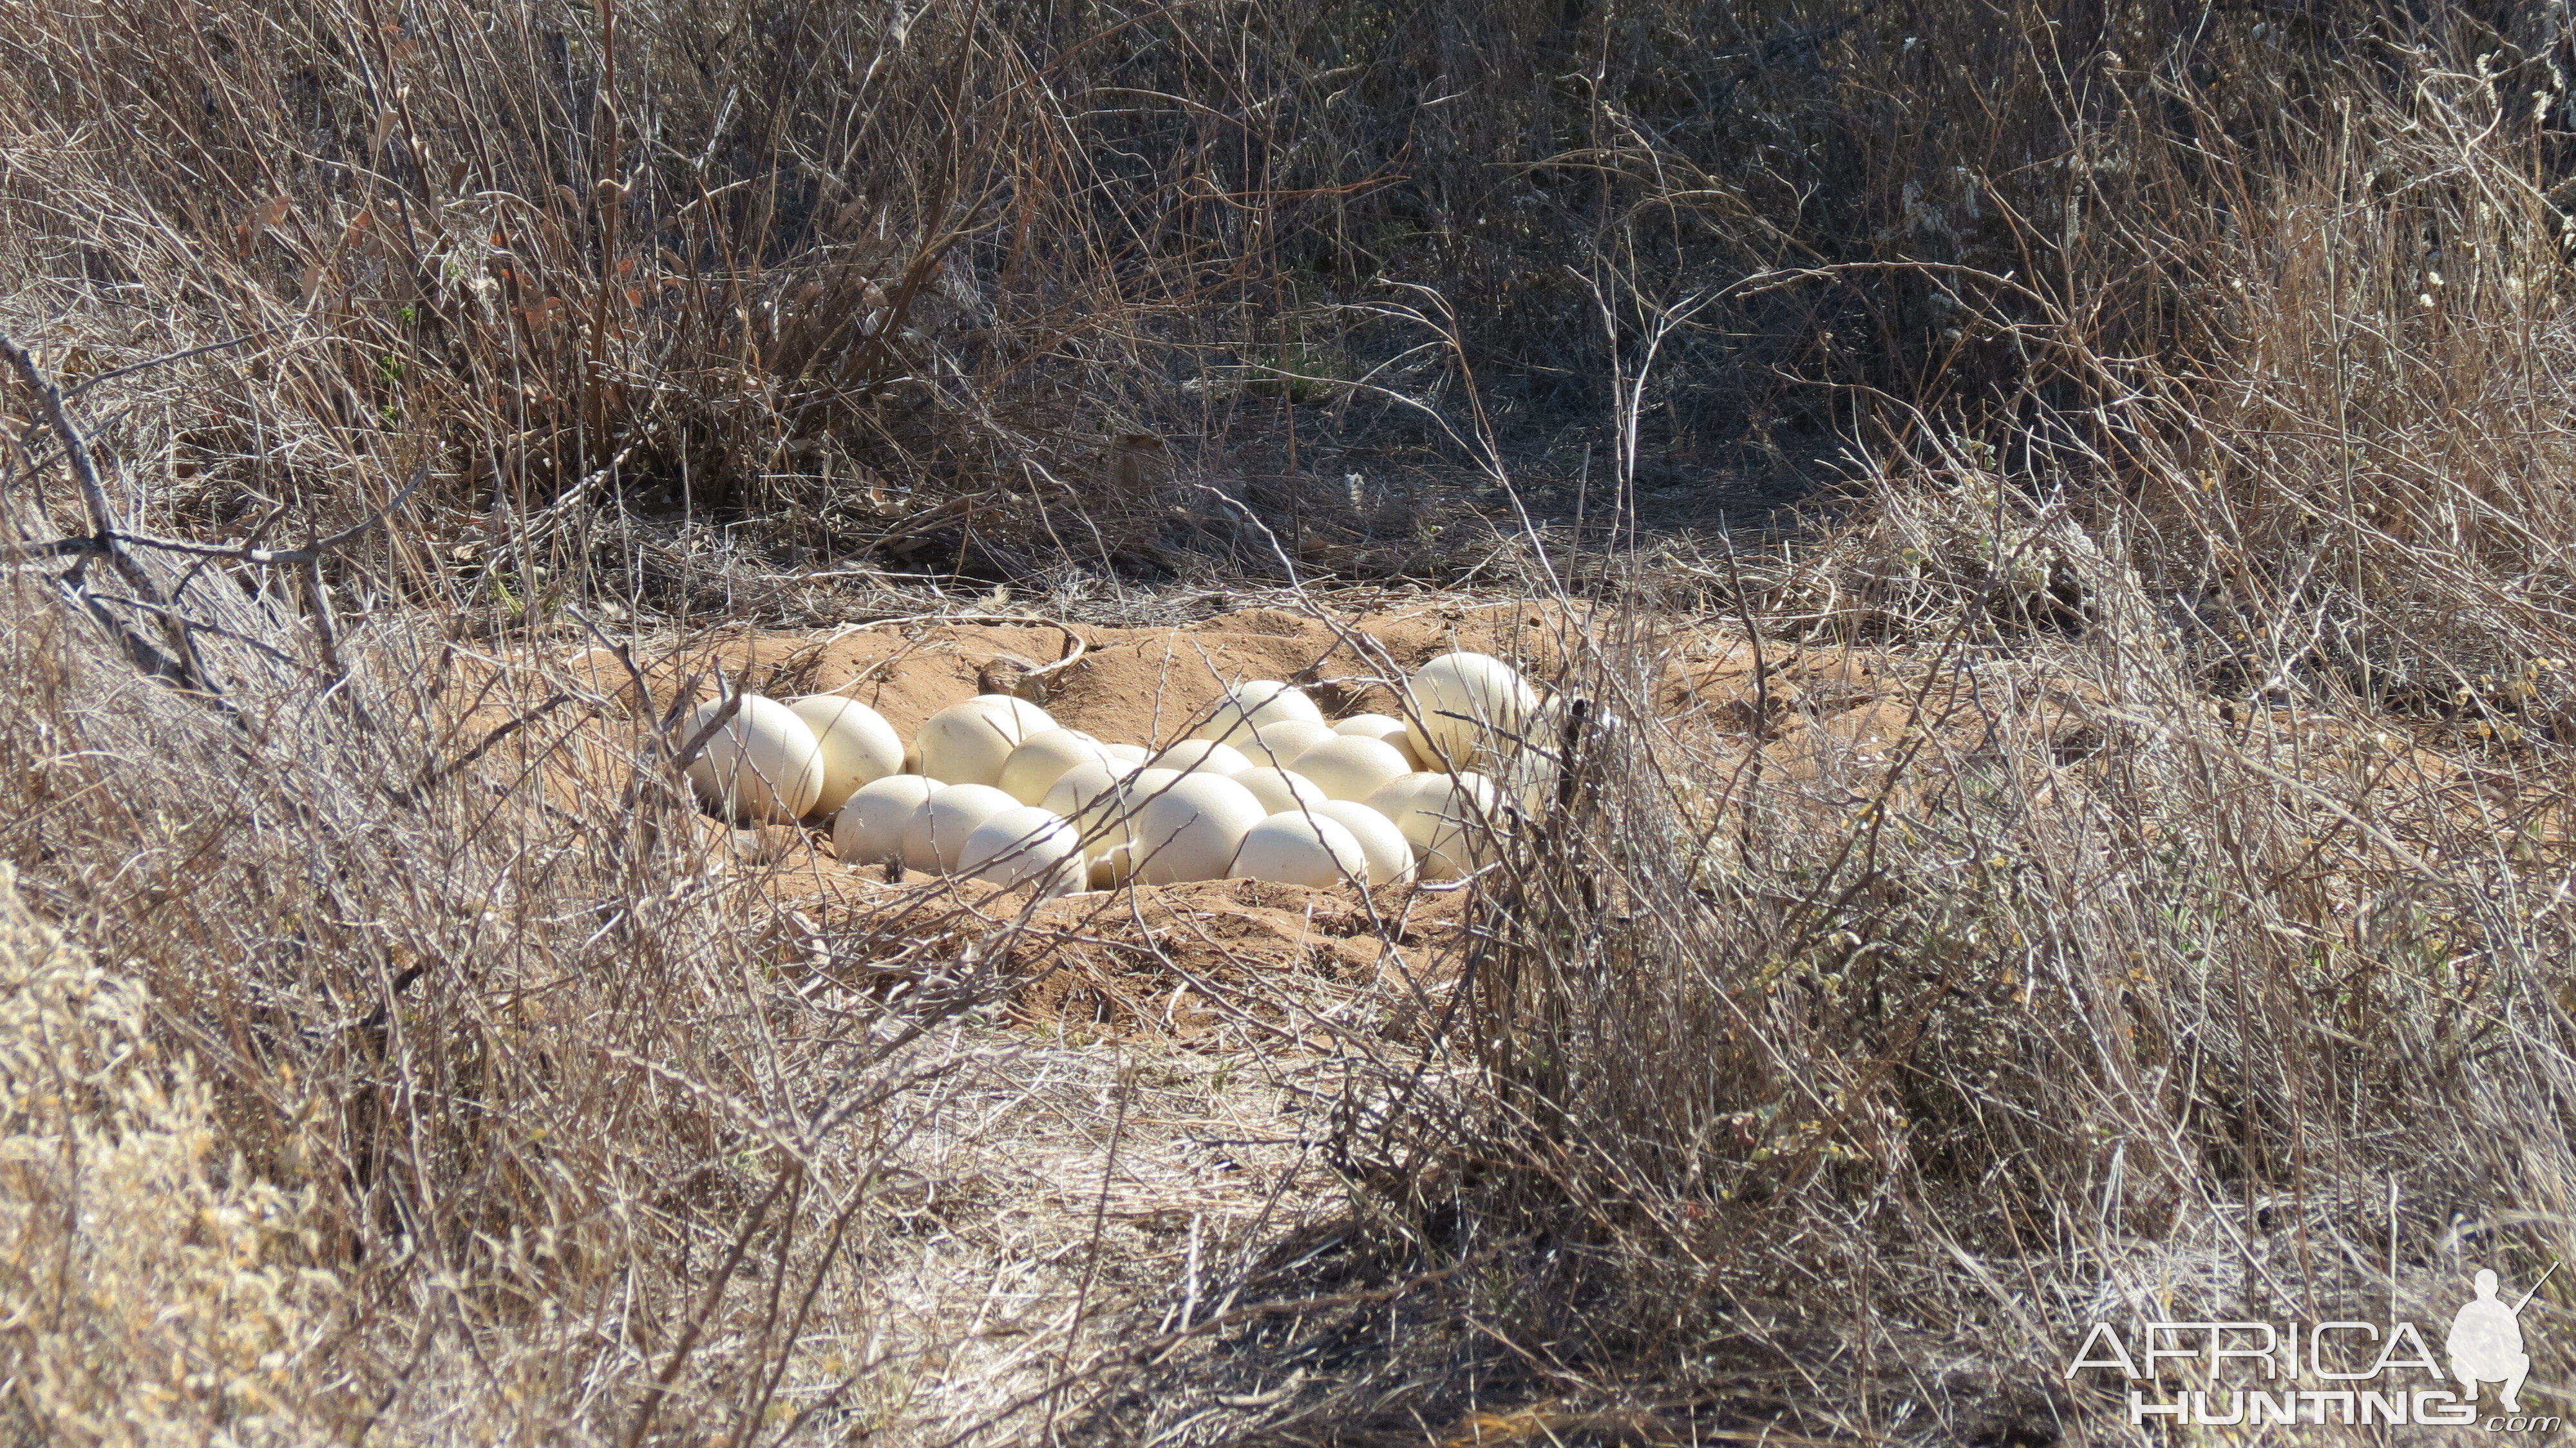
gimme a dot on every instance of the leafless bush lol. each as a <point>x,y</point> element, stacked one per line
<point>498,1093</point>
<point>2185,927</point>
<point>1830,1080</point>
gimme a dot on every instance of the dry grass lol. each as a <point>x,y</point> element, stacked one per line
<point>2112,863</point>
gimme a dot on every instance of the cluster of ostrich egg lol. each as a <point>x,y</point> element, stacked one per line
<point>1266,788</point>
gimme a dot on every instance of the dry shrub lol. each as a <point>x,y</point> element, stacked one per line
<point>2319,444</point>
<point>1835,1085</point>
<point>2172,933</point>
<point>793,279</point>
<point>1830,1079</point>
<point>154,1290</point>
<point>977,289</point>
<point>518,1106</point>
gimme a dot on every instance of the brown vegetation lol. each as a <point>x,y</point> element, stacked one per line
<point>2106,856</point>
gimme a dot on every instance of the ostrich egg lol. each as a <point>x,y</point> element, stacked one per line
<point>764,764</point>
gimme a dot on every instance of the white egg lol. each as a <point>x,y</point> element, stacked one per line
<point>1075,789</point>
<point>1077,795</point>
<point>858,745</point>
<point>937,830</point>
<point>1390,858</point>
<point>1351,766</point>
<point>1294,848</point>
<point>1152,780</point>
<point>1190,829</point>
<point>1279,789</point>
<point>1384,728</point>
<point>869,828</point>
<point>1446,818</point>
<point>1467,711</point>
<point>1394,799</point>
<point>1280,741</point>
<point>1107,824</point>
<point>1202,756</point>
<point>1255,702</point>
<point>967,743</point>
<point>1042,759</point>
<point>1022,844</point>
<point>1132,753</point>
<point>764,764</point>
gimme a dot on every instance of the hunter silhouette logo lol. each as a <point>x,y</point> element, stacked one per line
<point>2485,1345</point>
<point>2341,1372</point>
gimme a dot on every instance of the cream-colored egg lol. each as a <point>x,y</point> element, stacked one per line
<point>858,745</point>
<point>1107,823</point>
<point>1467,711</point>
<point>1385,729</point>
<point>868,830</point>
<point>1351,766</point>
<point>1280,741</point>
<point>1390,857</point>
<point>1021,845</point>
<point>1042,759</point>
<point>764,764</point>
<point>1255,702</point>
<point>1448,819</point>
<point>1112,853</point>
<point>1296,848</point>
<point>968,743</point>
<point>1394,799</point>
<point>1152,780</point>
<point>1132,753</point>
<point>1190,829</point>
<point>1202,756</point>
<point>937,830</point>
<point>1279,789</point>
<point>1079,795</point>
<point>1075,789</point>
<point>1369,726</point>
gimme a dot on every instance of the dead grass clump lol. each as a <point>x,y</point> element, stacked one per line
<point>546,1116</point>
<point>633,276</point>
<point>1836,1089</point>
<point>154,1288</point>
<point>2330,450</point>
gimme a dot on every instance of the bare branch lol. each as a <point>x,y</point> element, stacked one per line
<point>312,552</point>
<point>184,665</point>
<point>49,398</point>
<point>437,773</point>
<point>163,360</point>
<point>138,649</point>
<point>59,548</point>
<point>707,731</point>
<point>308,555</point>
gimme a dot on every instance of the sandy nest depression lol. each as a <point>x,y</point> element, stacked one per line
<point>1826,720</point>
